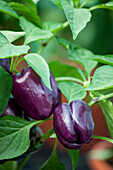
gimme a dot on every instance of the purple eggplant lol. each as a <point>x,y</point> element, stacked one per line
<point>12,108</point>
<point>5,63</point>
<point>73,124</point>
<point>32,94</point>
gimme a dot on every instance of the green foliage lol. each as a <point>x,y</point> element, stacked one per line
<point>9,165</point>
<point>77,18</point>
<point>33,33</point>
<point>72,91</point>
<point>27,12</point>
<point>4,7</point>
<point>6,83</point>
<point>65,70</point>
<point>102,79</point>
<point>52,26</point>
<point>53,163</point>
<point>14,139</point>
<point>40,66</point>
<point>57,2</point>
<point>8,50</point>
<point>74,155</point>
<point>11,35</point>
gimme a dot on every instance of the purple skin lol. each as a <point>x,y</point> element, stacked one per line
<point>73,124</point>
<point>32,95</point>
<point>5,63</point>
<point>12,108</point>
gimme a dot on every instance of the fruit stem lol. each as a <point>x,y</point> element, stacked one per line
<point>69,79</point>
<point>97,99</point>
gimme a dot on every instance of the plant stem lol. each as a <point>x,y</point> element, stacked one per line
<point>23,162</point>
<point>11,67</point>
<point>103,138</point>
<point>96,7</point>
<point>69,79</point>
<point>57,31</point>
<point>78,4</point>
<point>43,138</point>
<point>84,3</point>
<point>97,99</point>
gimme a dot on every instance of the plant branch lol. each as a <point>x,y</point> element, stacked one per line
<point>69,79</point>
<point>104,138</point>
<point>23,162</point>
<point>97,99</point>
<point>84,3</point>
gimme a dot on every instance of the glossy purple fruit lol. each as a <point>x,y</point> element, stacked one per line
<point>12,108</point>
<point>5,63</point>
<point>32,94</point>
<point>73,124</point>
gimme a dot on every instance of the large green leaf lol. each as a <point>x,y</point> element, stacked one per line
<point>107,108</point>
<point>6,83</point>
<point>4,7</point>
<point>9,50</point>
<point>33,33</point>
<point>102,79</point>
<point>77,18</point>
<point>64,70</point>
<point>74,155</point>
<point>79,55</point>
<point>53,163</point>
<point>11,35</point>
<point>106,59</point>
<point>40,66</point>
<point>72,91</point>
<point>14,136</point>
<point>27,12</point>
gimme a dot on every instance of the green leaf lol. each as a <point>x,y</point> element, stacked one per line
<point>64,70</point>
<point>40,66</point>
<point>9,50</point>
<point>102,79</point>
<point>74,155</point>
<point>53,163</point>
<point>105,59</point>
<point>57,2</point>
<point>4,7</point>
<point>52,26</point>
<point>23,10</point>
<point>14,136</point>
<point>33,33</point>
<point>11,35</point>
<point>79,55</point>
<point>31,4</point>
<point>77,18</point>
<point>72,91</point>
<point>8,165</point>
<point>6,83</point>
<point>107,108</point>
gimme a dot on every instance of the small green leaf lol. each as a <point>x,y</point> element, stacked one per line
<point>52,26</point>
<point>74,155</point>
<point>64,70</point>
<point>33,33</point>
<point>102,79</point>
<point>9,50</point>
<point>57,2</point>
<point>29,13</point>
<point>72,91</point>
<point>40,66</point>
<point>4,7</point>
<point>53,163</point>
<point>11,35</point>
<point>77,18</point>
<point>6,83</point>
<point>105,59</point>
<point>14,136</point>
